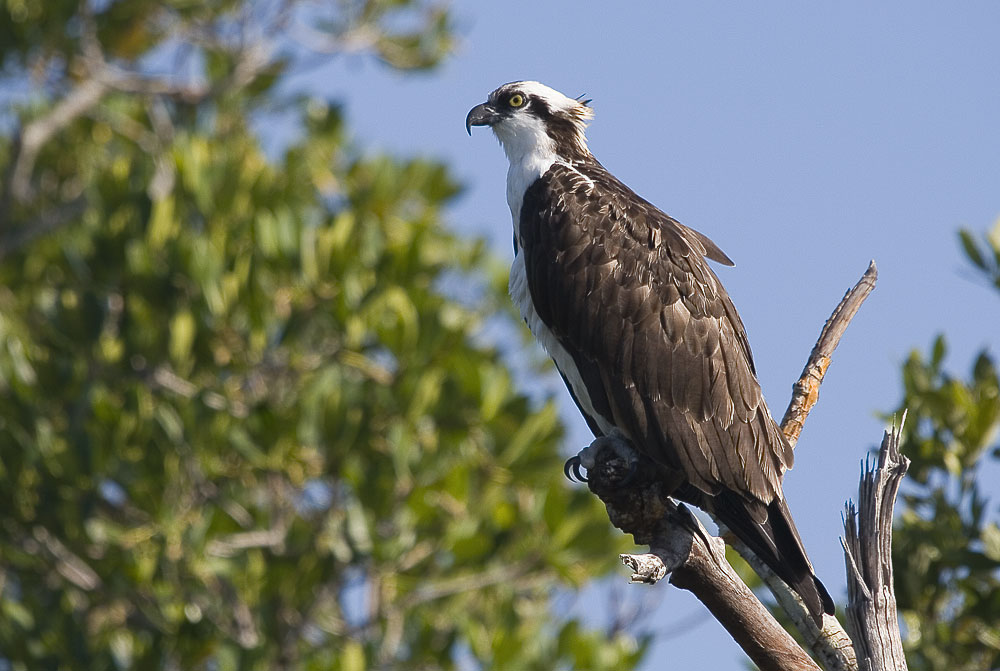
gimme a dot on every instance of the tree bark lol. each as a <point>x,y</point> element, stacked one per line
<point>805,391</point>
<point>871,608</point>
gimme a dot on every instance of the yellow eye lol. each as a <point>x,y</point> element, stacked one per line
<point>516,100</point>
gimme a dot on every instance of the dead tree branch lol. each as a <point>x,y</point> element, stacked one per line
<point>805,392</point>
<point>871,607</point>
<point>831,645</point>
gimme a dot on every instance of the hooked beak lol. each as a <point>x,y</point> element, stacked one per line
<point>481,115</point>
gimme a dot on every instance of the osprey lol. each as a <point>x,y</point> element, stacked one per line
<point>643,333</point>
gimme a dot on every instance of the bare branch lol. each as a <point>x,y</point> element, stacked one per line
<point>805,392</point>
<point>233,544</point>
<point>69,565</point>
<point>520,575</point>
<point>356,39</point>
<point>871,607</point>
<point>33,136</point>
<point>831,645</point>
<point>163,377</point>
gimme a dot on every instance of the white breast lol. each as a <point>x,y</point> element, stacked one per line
<point>531,153</point>
<point>518,287</point>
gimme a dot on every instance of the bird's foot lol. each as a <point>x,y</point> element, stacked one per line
<point>587,458</point>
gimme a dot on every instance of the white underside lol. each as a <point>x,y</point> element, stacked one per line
<point>518,288</point>
<point>531,153</point>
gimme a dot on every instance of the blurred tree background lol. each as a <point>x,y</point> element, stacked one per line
<point>946,542</point>
<point>244,424</point>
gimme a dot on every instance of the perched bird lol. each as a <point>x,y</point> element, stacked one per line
<point>643,333</point>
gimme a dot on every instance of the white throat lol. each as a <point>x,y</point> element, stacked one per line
<point>531,153</point>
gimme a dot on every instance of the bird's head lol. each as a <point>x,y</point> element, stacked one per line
<point>528,116</point>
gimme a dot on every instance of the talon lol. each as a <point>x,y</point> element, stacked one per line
<point>567,466</point>
<point>622,475</point>
<point>572,470</point>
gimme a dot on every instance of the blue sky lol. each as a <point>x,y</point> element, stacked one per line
<point>804,140</point>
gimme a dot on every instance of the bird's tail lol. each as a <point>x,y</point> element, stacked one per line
<point>776,542</point>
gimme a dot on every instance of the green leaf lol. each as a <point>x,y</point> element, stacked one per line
<point>991,541</point>
<point>971,249</point>
<point>352,657</point>
<point>182,332</point>
<point>237,389</point>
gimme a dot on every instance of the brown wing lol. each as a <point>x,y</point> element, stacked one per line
<point>627,289</point>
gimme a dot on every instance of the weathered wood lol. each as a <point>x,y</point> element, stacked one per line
<point>831,645</point>
<point>805,391</point>
<point>871,609</point>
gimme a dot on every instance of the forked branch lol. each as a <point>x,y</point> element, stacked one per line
<point>871,600</point>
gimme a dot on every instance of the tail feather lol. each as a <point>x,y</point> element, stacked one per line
<point>791,551</point>
<point>776,542</point>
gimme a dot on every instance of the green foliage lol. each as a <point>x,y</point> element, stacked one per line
<point>985,255</point>
<point>946,543</point>
<point>243,423</point>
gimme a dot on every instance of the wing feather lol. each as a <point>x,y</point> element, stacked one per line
<point>628,290</point>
